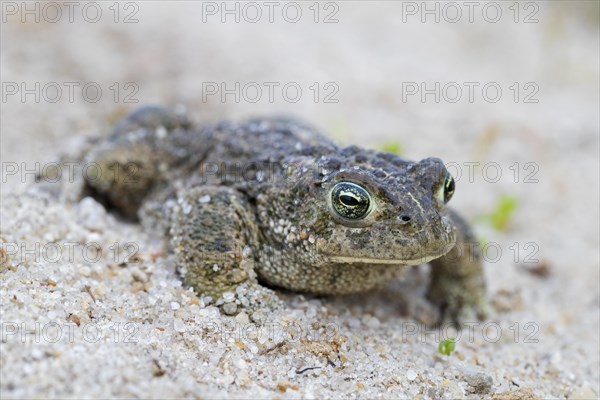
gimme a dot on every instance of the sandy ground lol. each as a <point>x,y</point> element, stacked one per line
<point>77,321</point>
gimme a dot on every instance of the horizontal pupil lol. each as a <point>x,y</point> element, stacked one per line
<point>348,200</point>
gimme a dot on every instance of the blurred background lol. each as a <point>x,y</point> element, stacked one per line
<point>506,93</point>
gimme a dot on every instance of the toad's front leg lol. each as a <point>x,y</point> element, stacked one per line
<point>457,282</point>
<point>214,235</point>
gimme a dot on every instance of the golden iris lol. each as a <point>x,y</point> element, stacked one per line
<point>350,200</point>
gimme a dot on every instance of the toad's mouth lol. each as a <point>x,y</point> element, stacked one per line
<point>366,260</point>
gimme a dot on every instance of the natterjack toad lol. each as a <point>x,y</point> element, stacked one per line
<point>272,200</point>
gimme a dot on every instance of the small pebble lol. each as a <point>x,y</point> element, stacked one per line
<point>229,308</point>
<point>161,132</point>
<point>204,199</point>
<point>371,322</point>
<point>479,382</point>
<point>242,318</point>
<point>179,325</point>
<point>228,297</point>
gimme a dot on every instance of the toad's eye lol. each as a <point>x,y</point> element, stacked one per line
<point>446,191</point>
<point>350,200</point>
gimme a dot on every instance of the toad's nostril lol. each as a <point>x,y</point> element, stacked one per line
<point>405,218</point>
